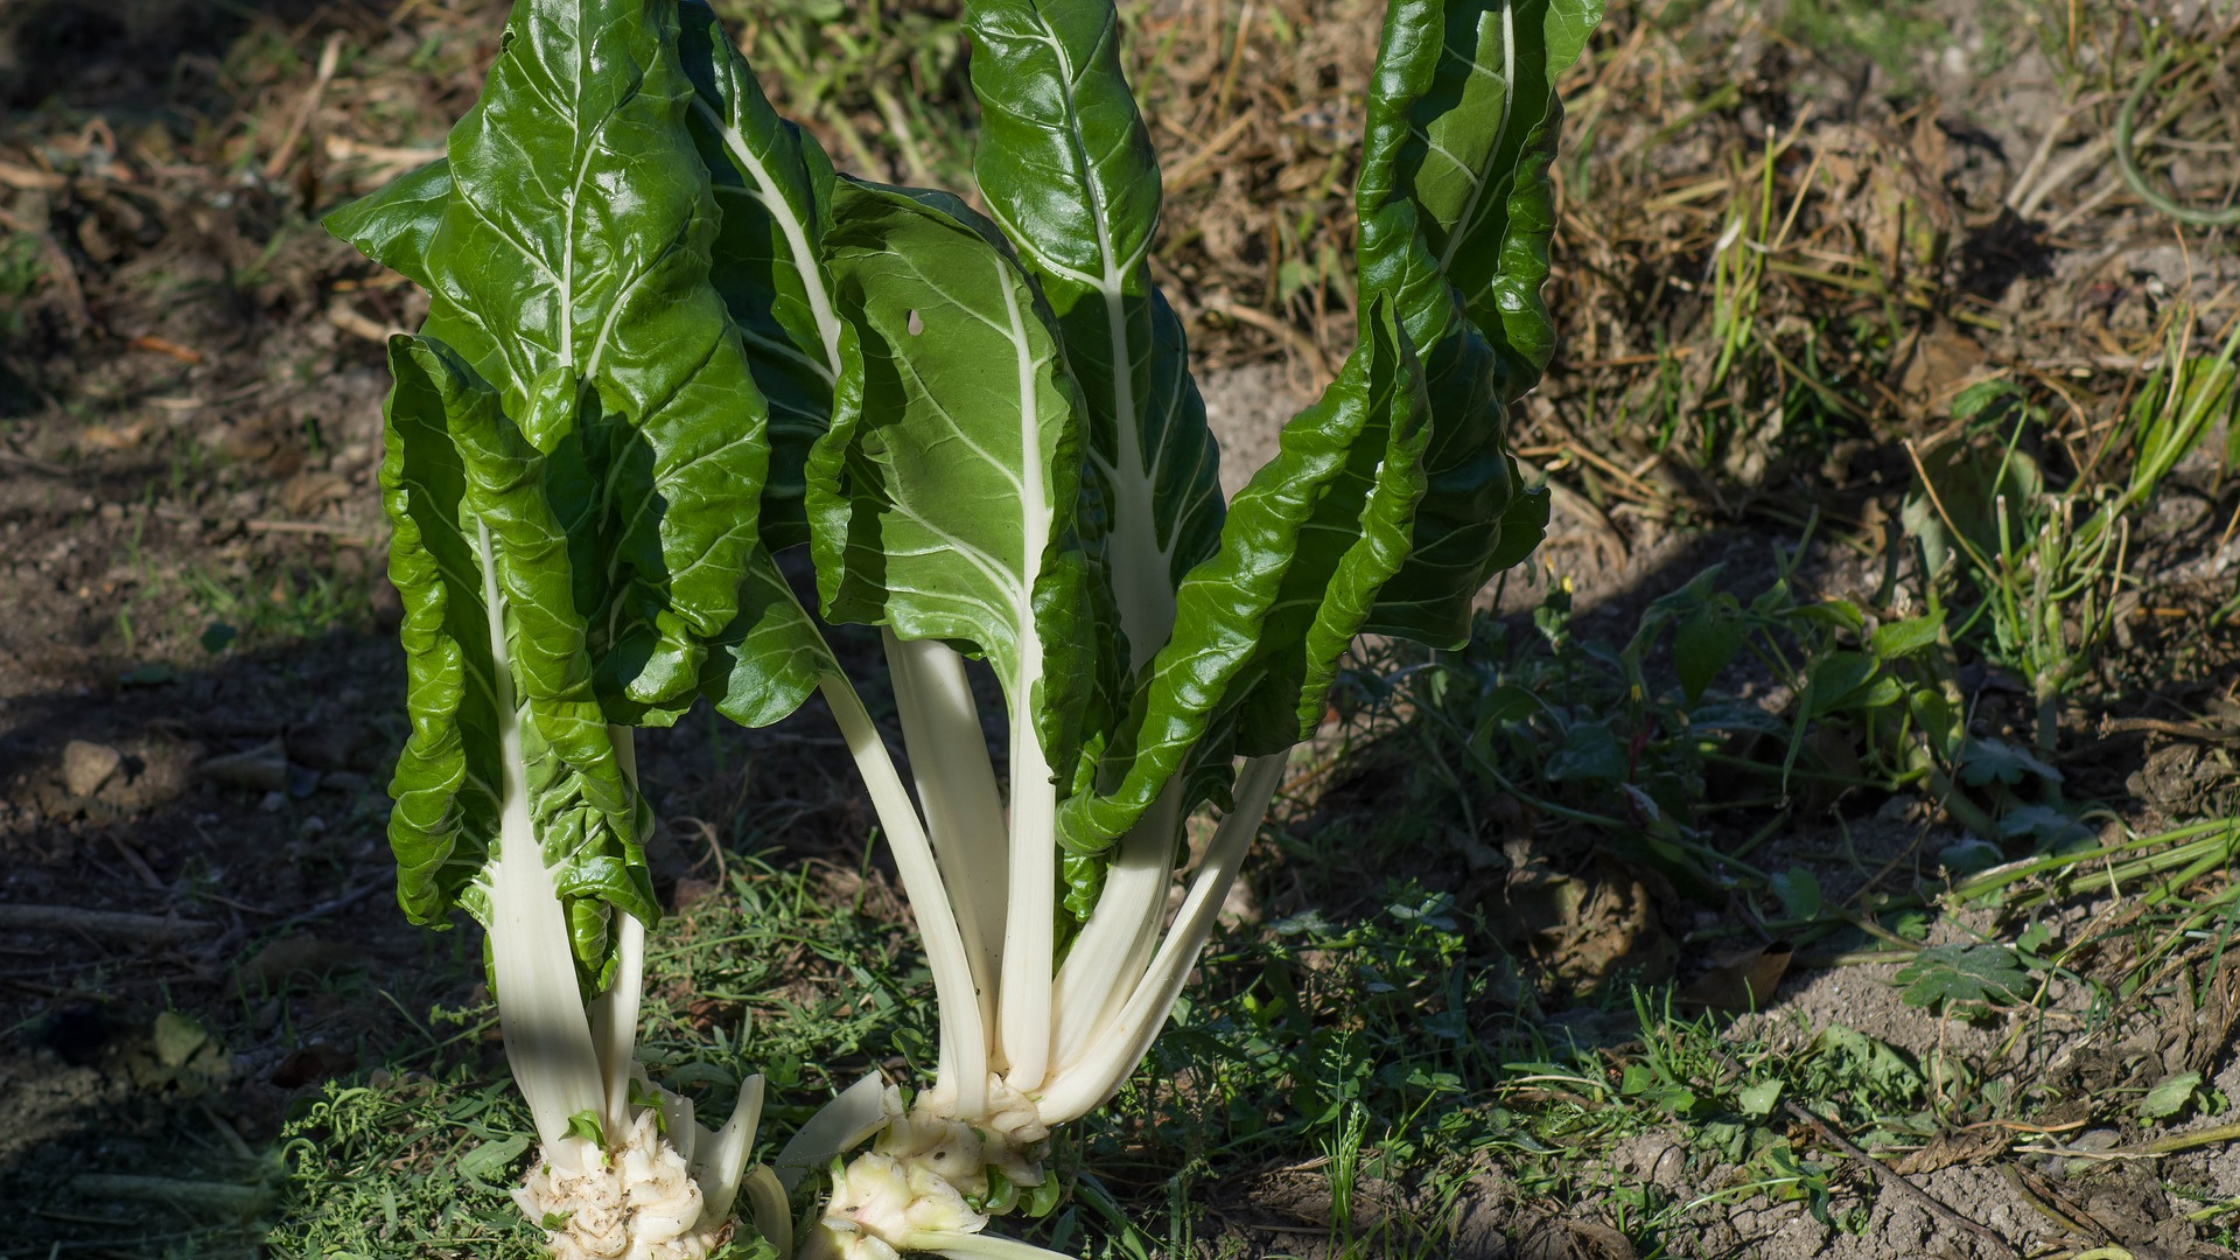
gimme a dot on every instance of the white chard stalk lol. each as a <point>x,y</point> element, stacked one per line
<point>614,1178</point>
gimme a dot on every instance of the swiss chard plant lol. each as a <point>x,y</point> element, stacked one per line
<point>667,341</point>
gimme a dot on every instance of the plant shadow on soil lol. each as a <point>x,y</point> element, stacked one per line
<point>124,55</point>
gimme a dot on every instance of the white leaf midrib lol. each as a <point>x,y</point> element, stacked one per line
<point>789,225</point>
<point>1144,560</point>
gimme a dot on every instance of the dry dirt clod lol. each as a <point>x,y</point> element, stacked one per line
<point>305,493</point>
<point>86,766</point>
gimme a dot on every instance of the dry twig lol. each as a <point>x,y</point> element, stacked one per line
<point>283,152</point>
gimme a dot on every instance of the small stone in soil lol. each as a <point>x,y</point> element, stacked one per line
<point>86,766</point>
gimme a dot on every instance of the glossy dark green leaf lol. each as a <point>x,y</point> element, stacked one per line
<point>771,657</point>
<point>584,400</point>
<point>396,225</point>
<point>1453,190</point>
<point>1063,158</point>
<point>1066,166</point>
<point>1474,518</point>
<point>1456,210</point>
<point>447,776</point>
<point>571,269</point>
<point>773,186</point>
<point>1260,625</point>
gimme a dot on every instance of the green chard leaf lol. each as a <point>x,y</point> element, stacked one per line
<point>1260,625</point>
<point>472,508</point>
<point>1453,191</point>
<point>771,656</point>
<point>771,186</point>
<point>1475,519</point>
<point>1066,166</point>
<point>447,776</point>
<point>1456,210</point>
<point>571,268</point>
<point>1393,500</point>
<point>580,420</point>
<point>774,187</point>
<point>942,500</point>
<point>396,224</point>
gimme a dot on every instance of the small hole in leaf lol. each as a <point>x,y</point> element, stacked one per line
<point>917,325</point>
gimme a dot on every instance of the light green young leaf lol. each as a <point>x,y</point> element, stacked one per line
<point>1869,1066</point>
<point>1953,508</point>
<point>2170,1096</point>
<point>455,467</point>
<point>1895,640</point>
<point>491,1163</point>
<point>1761,1098</point>
<point>1799,892</point>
